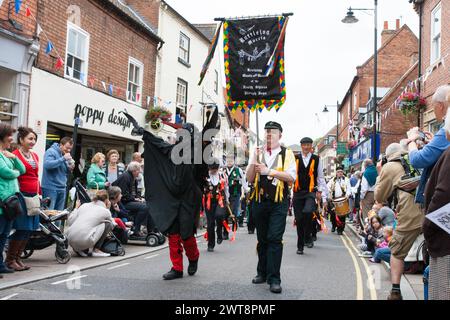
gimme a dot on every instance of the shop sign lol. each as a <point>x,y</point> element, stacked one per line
<point>94,116</point>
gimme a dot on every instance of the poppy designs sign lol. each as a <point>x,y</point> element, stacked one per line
<point>249,46</point>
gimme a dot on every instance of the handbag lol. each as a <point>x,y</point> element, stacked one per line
<point>11,207</point>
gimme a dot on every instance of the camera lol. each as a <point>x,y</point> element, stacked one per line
<point>383,159</point>
<point>422,136</point>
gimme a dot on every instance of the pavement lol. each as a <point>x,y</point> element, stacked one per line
<point>411,284</point>
<point>329,271</point>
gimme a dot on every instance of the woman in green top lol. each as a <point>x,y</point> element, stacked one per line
<point>96,177</point>
<point>10,169</point>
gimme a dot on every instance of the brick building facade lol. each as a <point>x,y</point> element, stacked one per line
<point>109,53</point>
<point>435,51</point>
<point>395,57</point>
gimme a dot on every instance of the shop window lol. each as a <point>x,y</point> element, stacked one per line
<point>180,114</point>
<point>135,77</point>
<point>8,104</point>
<point>77,53</point>
<point>436,33</point>
<point>183,54</point>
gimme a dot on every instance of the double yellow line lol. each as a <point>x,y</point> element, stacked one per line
<point>359,281</point>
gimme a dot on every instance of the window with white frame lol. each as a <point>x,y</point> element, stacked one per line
<point>77,53</point>
<point>135,76</point>
<point>436,33</point>
<point>180,114</point>
<point>184,48</point>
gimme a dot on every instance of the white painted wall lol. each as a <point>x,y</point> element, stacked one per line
<point>169,69</point>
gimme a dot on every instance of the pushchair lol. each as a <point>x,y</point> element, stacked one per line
<point>152,239</point>
<point>48,235</point>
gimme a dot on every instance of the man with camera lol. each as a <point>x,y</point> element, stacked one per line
<point>427,157</point>
<point>409,215</point>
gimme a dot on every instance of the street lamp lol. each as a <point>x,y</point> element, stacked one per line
<point>350,18</point>
<point>325,110</point>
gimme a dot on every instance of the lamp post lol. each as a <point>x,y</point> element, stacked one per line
<point>350,18</point>
<point>325,110</point>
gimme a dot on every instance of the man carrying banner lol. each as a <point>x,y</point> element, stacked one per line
<point>271,177</point>
<point>310,184</point>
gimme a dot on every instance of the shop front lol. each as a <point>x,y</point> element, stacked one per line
<point>55,103</point>
<point>363,151</point>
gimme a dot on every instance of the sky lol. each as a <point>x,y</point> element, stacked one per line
<point>321,52</point>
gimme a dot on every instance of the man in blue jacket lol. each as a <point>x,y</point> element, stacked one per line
<point>57,164</point>
<point>427,157</point>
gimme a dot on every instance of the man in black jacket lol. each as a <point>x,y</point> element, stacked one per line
<point>131,201</point>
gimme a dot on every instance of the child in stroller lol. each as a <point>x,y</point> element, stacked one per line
<point>153,238</point>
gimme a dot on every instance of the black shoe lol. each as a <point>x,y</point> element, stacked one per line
<point>192,268</point>
<point>275,288</point>
<point>314,238</point>
<point>210,249</point>
<point>259,279</point>
<point>219,241</point>
<point>241,225</point>
<point>340,232</point>
<point>5,269</point>
<point>299,251</point>
<point>225,237</point>
<point>173,274</point>
<point>333,229</point>
<point>310,245</point>
<point>251,231</point>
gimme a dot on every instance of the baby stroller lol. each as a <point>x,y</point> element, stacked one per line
<point>152,239</point>
<point>48,235</point>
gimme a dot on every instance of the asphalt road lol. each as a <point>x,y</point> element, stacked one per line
<point>331,270</point>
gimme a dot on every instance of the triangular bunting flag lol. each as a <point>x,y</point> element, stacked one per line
<point>138,97</point>
<point>82,77</point>
<point>104,85</point>
<point>49,47</point>
<point>39,30</point>
<point>59,64</point>
<point>70,72</point>
<point>18,4</point>
<point>28,13</point>
<point>148,101</point>
<point>111,89</point>
<point>91,81</point>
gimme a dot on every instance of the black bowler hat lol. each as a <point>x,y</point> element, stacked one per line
<point>306,140</point>
<point>340,168</point>
<point>273,125</point>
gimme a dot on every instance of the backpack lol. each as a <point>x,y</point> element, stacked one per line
<point>409,182</point>
<point>113,246</point>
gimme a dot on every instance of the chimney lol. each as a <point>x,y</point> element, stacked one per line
<point>386,34</point>
<point>397,24</point>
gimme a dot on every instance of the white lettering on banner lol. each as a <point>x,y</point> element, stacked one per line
<point>441,217</point>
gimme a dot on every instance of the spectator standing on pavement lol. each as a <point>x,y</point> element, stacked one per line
<point>58,163</point>
<point>10,169</point>
<point>437,195</point>
<point>368,181</point>
<point>96,177</point>
<point>113,168</point>
<point>30,188</point>
<point>427,157</point>
<point>409,215</point>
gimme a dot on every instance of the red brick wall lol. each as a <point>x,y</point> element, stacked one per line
<point>112,41</point>
<point>148,9</point>
<point>440,75</point>
<point>394,60</point>
<point>396,124</point>
<point>28,24</point>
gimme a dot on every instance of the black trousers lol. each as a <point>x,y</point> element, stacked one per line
<point>250,219</point>
<point>304,206</point>
<point>338,222</point>
<point>141,214</point>
<point>270,221</point>
<point>214,218</point>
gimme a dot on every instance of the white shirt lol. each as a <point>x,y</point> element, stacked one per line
<point>342,183</point>
<point>269,159</point>
<point>322,185</point>
<point>365,187</point>
<point>215,180</point>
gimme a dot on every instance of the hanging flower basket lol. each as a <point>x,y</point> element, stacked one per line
<point>411,102</point>
<point>158,113</point>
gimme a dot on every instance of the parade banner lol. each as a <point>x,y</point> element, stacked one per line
<point>254,63</point>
